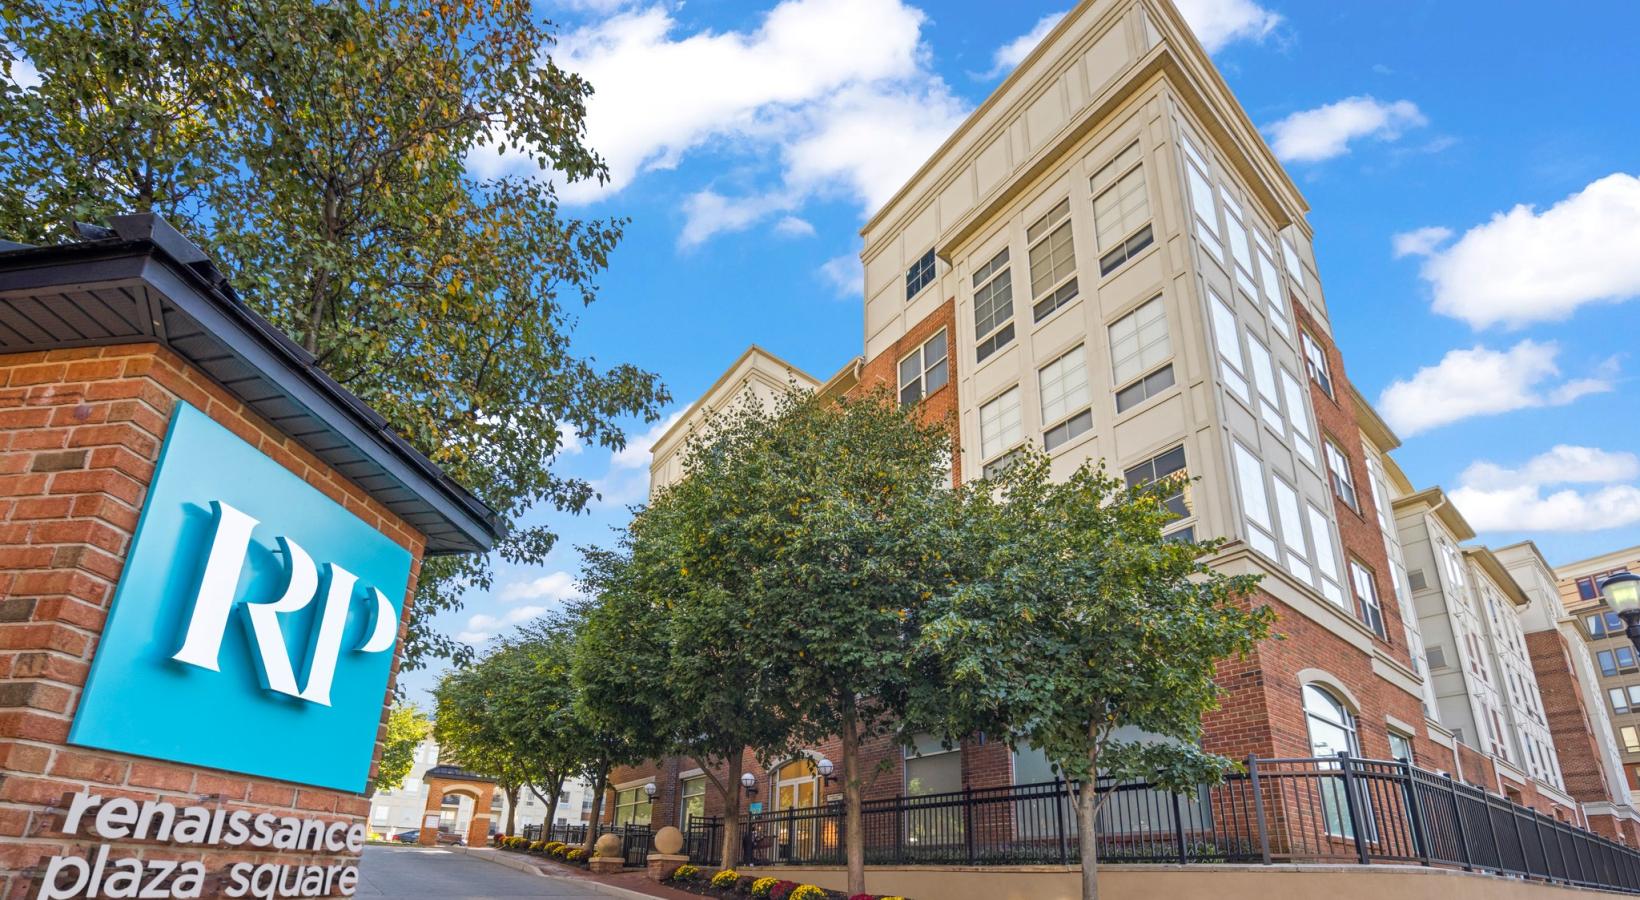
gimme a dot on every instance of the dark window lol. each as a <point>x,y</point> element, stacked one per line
<point>995,342</point>
<point>1062,295</point>
<point>1145,388</point>
<point>1073,427</point>
<point>1002,463</point>
<point>920,275</point>
<point>925,370</point>
<point>994,304</point>
<point>1169,465</point>
<point>1130,248</point>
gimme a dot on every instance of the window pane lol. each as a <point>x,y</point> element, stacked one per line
<point>994,299</point>
<point>1052,257</point>
<point>1064,385</point>
<point>1201,200</point>
<point>919,275</point>
<point>1321,535</point>
<point>1264,378</point>
<point>1250,477</point>
<point>999,424</point>
<point>1121,209</point>
<point>1139,341</point>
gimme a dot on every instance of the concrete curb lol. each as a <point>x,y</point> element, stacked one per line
<point>523,865</point>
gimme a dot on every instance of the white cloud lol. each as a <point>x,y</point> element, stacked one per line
<point>482,626</point>
<point>837,95</point>
<point>1526,266</point>
<point>554,587</point>
<point>844,274</point>
<point>569,440</point>
<point>1481,382</point>
<point>1218,23</point>
<point>792,226</point>
<point>627,480</point>
<point>1313,135</point>
<point>1496,498</point>
<point>23,72</point>
<point>635,455</point>
<point>1014,52</point>
<point>1420,241</point>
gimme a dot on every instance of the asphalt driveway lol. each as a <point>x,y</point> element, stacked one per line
<point>417,873</point>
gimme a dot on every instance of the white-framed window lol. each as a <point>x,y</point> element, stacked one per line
<point>1299,415</point>
<point>1255,503</point>
<point>925,369</point>
<point>1332,732</point>
<point>1001,427</point>
<point>1264,379</point>
<point>1270,281</point>
<point>692,792</point>
<point>632,806</point>
<point>993,305</point>
<point>1053,261</point>
<point>1141,354</point>
<point>1167,466</point>
<point>1065,398</point>
<point>1228,341</point>
<point>1380,494</point>
<point>920,274</point>
<point>1338,472</point>
<point>1295,268</point>
<point>1292,531</point>
<point>1400,746</point>
<point>1241,250</point>
<point>932,768</point>
<point>1201,199</point>
<point>1367,607</point>
<point>1315,362</point>
<point>1326,562</point>
<point>1121,209</point>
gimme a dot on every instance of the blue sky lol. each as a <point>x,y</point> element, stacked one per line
<point>1471,169</point>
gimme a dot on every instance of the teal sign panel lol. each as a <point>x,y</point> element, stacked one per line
<point>254,624</point>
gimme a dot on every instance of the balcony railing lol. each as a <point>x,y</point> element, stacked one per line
<point>1322,810</point>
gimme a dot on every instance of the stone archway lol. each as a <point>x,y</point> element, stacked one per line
<point>443,781</point>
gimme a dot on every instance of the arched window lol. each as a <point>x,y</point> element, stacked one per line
<point>1332,728</point>
<point>1332,731</point>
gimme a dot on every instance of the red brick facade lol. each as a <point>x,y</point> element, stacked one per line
<point>80,434</point>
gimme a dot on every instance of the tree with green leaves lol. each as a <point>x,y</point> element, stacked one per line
<point>1089,634</point>
<point>512,715</point>
<point>821,528</point>
<point>407,727</point>
<point>321,153</point>
<point>672,644</point>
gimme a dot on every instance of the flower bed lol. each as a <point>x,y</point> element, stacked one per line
<point>554,850</point>
<point>729,883</point>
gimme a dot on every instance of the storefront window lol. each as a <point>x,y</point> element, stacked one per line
<point>693,792</point>
<point>632,806</point>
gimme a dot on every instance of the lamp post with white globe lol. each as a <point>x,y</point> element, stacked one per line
<point>1622,593</point>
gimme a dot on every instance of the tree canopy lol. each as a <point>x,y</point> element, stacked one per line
<point>320,153</point>
<point>1089,634</point>
<point>407,727</point>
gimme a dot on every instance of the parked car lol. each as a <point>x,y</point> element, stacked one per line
<point>408,836</point>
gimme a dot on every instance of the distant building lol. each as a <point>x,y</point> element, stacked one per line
<point>1614,656</point>
<point>400,809</point>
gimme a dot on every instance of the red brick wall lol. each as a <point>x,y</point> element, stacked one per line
<point>80,433</point>
<point>1359,531</point>
<point>1581,765</point>
<point>941,405</point>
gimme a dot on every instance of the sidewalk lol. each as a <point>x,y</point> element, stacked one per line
<point>626,884</point>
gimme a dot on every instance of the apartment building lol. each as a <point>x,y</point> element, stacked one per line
<point>1107,262</point>
<point>400,809</point>
<point>1573,698</point>
<point>1615,659</point>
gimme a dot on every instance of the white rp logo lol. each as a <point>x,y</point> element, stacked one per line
<point>215,601</point>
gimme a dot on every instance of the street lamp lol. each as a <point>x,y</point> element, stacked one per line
<point>1622,593</point>
<point>749,782</point>
<point>825,768</point>
<point>651,789</point>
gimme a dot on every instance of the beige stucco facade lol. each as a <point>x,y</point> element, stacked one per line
<point>1579,592</point>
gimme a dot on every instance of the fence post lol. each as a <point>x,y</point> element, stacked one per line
<point>1457,824</point>
<point>968,821</point>
<point>1061,785</point>
<point>1258,808</point>
<point>1420,828</point>
<point>1178,828</point>
<point>1356,820</point>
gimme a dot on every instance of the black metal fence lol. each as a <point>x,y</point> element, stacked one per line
<point>636,840</point>
<point>1325,810</point>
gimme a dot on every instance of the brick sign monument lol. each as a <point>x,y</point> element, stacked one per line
<point>208,551</point>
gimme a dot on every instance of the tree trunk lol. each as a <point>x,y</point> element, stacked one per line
<point>599,782</point>
<point>729,792</point>
<point>511,791</point>
<point>853,822</point>
<point>1087,822</point>
<point>557,788</point>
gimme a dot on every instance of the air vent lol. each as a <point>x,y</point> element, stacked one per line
<point>1416,579</point>
<point>1436,657</point>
